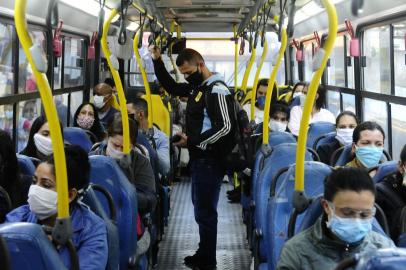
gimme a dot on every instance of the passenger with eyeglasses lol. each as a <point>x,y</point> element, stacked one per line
<point>345,227</point>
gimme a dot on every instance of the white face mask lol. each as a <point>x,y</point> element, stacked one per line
<point>344,135</point>
<point>112,152</point>
<point>43,144</point>
<point>98,101</point>
<point>296,94</point>
<point>42,201</point>
<point>277,125</point>
<point>302,100</point>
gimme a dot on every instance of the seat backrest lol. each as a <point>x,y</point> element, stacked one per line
<point>279,137</point>
<point>90,199</point>
<point>402,240</point>
<point>281,156</point>
<point>78,136</point>
<point>382,259</point>
<point>106,172</point>
<point>280,205</point>
<point>295,102</point>
<point>385,169</point>
<point>317,129</point>
<point>324,139</point>
<point>26,165</point>
<point>29,247</point>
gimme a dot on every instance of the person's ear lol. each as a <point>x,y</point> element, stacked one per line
<point>353,147</point>
<point>72,193</point>
<point>325,206</point>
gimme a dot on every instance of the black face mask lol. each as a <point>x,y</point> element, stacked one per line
<point>195,79</point>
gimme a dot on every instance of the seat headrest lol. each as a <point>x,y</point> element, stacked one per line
<point>385,169</point>
<point>78,136</point>
<point>26,165</point>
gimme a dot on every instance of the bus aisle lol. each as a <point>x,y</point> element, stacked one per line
<point>181,235</point>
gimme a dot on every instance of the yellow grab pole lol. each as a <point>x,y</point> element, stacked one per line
<point>248,70</point>
<point>144,77</point>
<point>311,95</point>
<point>49,108</point>
<point>235,59</point>
<point>256,78</point>
<point>116,76</point>
<point>271,83</point>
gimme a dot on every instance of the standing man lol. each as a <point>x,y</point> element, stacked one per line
<point>209,129</point>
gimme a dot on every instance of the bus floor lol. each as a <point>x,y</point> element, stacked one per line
<point>182,236</point>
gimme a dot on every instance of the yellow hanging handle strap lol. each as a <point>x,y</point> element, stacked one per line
<point>248,70</point>
<point>271,83</point>
<point>235,59</point>
<point>311,95</point>
<point>113,65</point>
<point>256,79</point>
<point>144,77</point>
<point>49,108</point>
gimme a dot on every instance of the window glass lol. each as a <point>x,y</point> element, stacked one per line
<point>375,110</point>
<point>398,129</point>
<point>335,72</point>
<point>376,51</point>
<point>6,57</point>
<point>76,98</point>
<point>350,65</point>
<point>6,118</point>
<point>349,102</point>
<point>61,103</point>
<point>308,61</point>
<point>27,112</point>
<point>333,102</point>
<point>295,68</point>
<point>26,79</point>
<point>280,77</point>
<point>399,39</point>
<point>57,74</point>
<point>74,72</point>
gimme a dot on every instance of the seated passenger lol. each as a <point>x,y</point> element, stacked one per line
<point>11,180</point>
<point>344,229</point>
<point>103,101</point>
<point>139,107</point>
<point>260,101</point>
<point>345,125</point>
<point>319,114</point>
<point>89,233</point>
<point>86,118</point>
<point>135,166</point>
<point>298,89</point>
<point>367,145</point>
<point>278,117</point>
<point>39,144</point>
<point>393,203</point>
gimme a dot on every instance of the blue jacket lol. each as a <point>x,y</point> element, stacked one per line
<point>89,235</point>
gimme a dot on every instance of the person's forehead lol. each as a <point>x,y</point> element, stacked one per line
<point>358,200</point>
<point>103,89</point>
<point>263,88</point>
<point>371,134</point>
<point>87,108</point>
<point>130,108</point>
<point>187,67</point>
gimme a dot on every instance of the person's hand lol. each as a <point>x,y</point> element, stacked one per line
<point>183,140</point>
<point>155,52</point>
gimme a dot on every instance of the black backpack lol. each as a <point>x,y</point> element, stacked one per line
<point>240,156</point>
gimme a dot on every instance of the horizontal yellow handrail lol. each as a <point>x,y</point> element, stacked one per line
<point>117,81</point>
<point>271,83</point>
<point>49,108</point>
<point>311,95</point>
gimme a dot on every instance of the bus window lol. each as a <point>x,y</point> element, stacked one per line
<point>398,129</point>
<point>76,98</point>
<point>74,72</point>
<point>308,60</point>
<point>399,47</point>
<point>26,79</point>
<point>61,103</point>
<point>27,111</point>
<point>350,65</point>
<point>295,66</point>
<point>376,50</point>
<point>6,118</point>
<point>6,58</point>
<point>57,73</point>
<point>348,102</point>
<point>336,69</point>
<point>333,102</point>
<point>375,110</point>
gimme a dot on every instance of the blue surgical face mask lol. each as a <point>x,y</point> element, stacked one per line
<point>261,102</point>
<point>369,156</point>
<point>350,230</point>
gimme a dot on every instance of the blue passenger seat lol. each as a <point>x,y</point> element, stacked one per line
<point>26,165</point>
<point>318,129</point>
<point>385,169</point>
<point>29,247</point>
<point>77,136</point>
<point>324,139</point>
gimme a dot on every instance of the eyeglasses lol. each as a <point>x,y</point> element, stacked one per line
<point>347,212</point>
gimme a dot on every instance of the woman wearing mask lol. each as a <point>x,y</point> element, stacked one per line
<point>135,165</point>
<point>298,89</point>
<point>39,144</point>
<point>89,234</point>
<point>343,230</point>
<point>319,114</point>
<point>86,118</point>
<point>345,125</point>
<point>367,145</point>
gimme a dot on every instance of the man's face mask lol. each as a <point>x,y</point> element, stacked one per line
<point>196,78</point>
